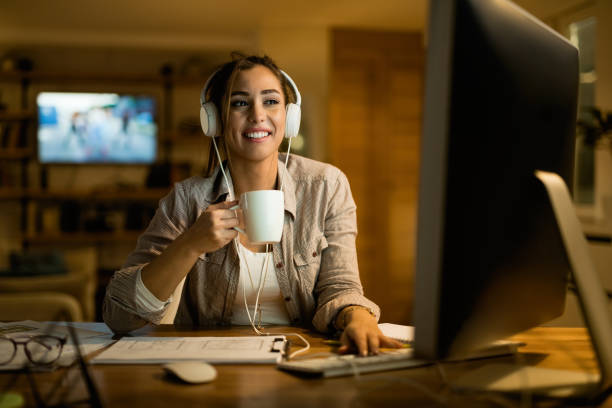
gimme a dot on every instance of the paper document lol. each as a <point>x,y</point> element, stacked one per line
<point>497,348</point>
<point>397,331</point>
<point>217,350</point>
<point>34,328</point>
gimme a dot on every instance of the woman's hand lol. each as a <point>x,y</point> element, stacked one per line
<point>214,228</point>
<point>362,333</point>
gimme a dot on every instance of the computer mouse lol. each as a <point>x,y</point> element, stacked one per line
<point>193,372</point>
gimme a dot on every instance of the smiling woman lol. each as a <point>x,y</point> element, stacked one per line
<point>310,277</point>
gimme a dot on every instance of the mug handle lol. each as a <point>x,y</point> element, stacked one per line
<point>236,228</point>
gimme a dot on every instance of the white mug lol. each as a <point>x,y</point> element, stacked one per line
<point>264,215</point>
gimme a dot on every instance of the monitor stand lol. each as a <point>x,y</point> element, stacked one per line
<point>593,302</point>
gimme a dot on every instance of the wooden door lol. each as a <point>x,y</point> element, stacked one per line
<point>376,92</point>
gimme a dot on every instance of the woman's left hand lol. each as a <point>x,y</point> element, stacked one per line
<point>362,333</point>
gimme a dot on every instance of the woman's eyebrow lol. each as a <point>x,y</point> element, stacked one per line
<point>264,92</point>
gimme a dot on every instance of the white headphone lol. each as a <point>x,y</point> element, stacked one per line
<point>209,118</point>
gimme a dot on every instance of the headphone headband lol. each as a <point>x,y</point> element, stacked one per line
<point>298,97</point>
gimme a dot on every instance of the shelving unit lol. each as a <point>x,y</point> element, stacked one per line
<point>18,152</point>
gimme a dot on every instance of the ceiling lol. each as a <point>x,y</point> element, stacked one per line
<point>191,23</point>
<point>209,24</point>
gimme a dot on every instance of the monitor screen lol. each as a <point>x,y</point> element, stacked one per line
<point>500,103</point>
<point>96,128</point>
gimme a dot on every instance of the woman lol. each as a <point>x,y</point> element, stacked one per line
<point>314,276</point>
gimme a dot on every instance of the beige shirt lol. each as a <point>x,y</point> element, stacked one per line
<point>315,262</point>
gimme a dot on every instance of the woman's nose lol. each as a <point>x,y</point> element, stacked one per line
<point>257,113</point>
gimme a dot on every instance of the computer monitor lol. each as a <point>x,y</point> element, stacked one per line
<point>500,103</point>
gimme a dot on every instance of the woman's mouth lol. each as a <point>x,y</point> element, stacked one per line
<point>257,136</point>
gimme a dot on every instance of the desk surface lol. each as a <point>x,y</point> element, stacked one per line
<point>265,386</point>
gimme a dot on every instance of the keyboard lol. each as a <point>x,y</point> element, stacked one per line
<point>350,364</point>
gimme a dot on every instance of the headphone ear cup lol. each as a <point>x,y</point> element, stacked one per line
<point>292,120</point>
<point>208,119</point>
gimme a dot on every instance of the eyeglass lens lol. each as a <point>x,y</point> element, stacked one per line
<point>7,350</point>
<point>39,349</point>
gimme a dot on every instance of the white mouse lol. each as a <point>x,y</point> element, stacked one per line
<point>193,372</point>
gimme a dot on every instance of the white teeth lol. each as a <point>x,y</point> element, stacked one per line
<point>256,135</point>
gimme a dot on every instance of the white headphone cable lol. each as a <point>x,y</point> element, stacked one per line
<point>286,161</point>
<point>251,320</point>
<point>227,183</point>
<point>259,330</point>
<point>262,281</point>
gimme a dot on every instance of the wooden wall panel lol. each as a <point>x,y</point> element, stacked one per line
<point>376,88</point>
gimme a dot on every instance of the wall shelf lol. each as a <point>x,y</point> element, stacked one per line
<point>15,153</point>
<point>11,193</point>
<point>6,116</point>
<point>63,238</point>
<point>152,194</point>
<point>138,195</point>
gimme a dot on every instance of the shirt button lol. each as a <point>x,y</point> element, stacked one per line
<point>287,299</point>
<point>279,265</point>
<point>314,254</point>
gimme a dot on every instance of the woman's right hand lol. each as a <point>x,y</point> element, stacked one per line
<point>214,228</point>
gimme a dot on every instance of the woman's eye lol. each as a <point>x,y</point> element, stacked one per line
<point>271,102</point>
<point>238,103</point>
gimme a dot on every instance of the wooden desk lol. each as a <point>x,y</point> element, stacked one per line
<point>265,386</point>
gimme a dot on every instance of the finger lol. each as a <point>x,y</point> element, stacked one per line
<point>221,205</point>
<point>225,214</point>
<point>373,344</point>
<point>390,343</point>
<point>347,345</point>
<point>228,234</point>
<point>223,236</point>
<point>361,343</point>
<point>228,223</point>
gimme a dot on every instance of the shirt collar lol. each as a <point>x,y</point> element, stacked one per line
<point>285,179</point>
<point>220,189</point>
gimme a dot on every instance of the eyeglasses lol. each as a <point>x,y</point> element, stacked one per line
<point>43,351</point>
<point>40,350</point>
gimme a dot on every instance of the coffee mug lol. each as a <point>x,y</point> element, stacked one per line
<point>264,214</point>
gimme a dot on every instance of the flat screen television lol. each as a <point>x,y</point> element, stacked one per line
<point>78,127</point>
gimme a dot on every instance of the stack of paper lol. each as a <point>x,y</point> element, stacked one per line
<point>217,350</point>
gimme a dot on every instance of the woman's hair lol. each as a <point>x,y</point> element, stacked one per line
<point>220,90</point>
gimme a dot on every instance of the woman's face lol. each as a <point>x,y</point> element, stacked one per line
<point>256,115</point>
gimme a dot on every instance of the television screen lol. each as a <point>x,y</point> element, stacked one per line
<point>96,128</point>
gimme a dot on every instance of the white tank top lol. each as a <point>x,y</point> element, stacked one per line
<point>271,300</point>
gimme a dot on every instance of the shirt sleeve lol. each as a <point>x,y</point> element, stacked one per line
<point>147,302</point>
<point>128,304</point>
<point>338,284</point>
